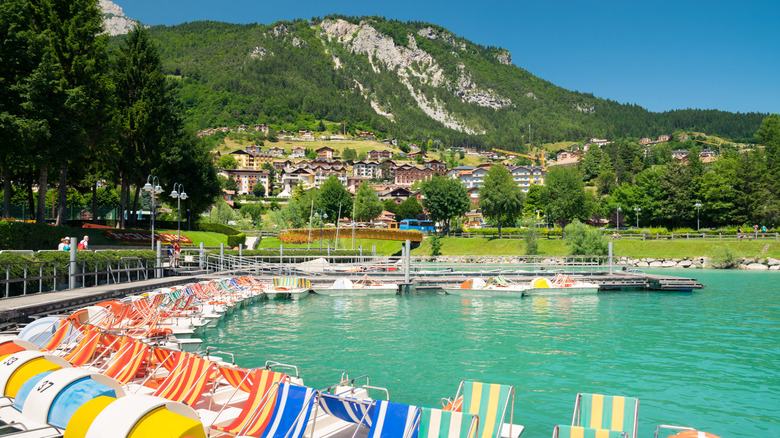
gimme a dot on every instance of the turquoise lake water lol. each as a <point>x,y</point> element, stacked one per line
<point>710,359</point>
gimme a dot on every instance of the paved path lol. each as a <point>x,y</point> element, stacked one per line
<point>21,308</point>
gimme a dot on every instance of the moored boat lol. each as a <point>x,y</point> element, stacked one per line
<point>560,285</point>
<point>366,286</point>
<point>497,286</point>
<point>288,287</point>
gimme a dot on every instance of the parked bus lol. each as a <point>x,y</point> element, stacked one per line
<point>413,224</point>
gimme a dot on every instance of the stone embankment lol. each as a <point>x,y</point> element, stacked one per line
<point>751,264</point>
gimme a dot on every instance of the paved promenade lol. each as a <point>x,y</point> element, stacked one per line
<point>21,308</point>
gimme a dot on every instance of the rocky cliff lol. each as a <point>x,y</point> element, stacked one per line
<point>114,18</point>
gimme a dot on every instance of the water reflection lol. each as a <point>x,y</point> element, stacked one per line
<point>708,359</point>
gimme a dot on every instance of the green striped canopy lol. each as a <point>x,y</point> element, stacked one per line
<point>436,423</point>
<point>609,412</point>
<point>489,402</point>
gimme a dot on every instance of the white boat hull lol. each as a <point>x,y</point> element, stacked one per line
<point>498,292</point>
<point>357,291</point>
<point>574,290</point>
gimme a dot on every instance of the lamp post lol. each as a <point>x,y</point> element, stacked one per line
<point>698,206</point>
<point>178,196</point>
<point>637,210</point>
<point>94,204</point>
<point>617,218</point>
<point>537,219</point>
<point>154,188</point>
<point>321,215</point>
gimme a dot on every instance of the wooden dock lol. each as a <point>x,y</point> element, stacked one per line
<point>24,308</point>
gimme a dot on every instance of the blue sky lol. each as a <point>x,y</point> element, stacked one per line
<point>659,54</point>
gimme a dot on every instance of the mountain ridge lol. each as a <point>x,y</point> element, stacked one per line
<point>412,80</point>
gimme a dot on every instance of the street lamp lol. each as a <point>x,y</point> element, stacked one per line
<point>321,215</point>
<point>617,218</point>
<point>178,196</point>
<point>155,189</point>
<point>698,206</point>
<point>637,210</point>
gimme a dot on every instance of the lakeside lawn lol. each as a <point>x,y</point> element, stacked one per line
<point>633,248</point>
<point>383,247</point>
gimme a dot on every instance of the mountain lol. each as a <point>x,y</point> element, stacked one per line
<point>114,18</point>
<point>409,80</point>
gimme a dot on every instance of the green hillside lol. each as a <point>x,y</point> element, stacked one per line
<point>294,74</point>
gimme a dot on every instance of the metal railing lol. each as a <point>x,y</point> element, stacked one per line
<point>24,278</point>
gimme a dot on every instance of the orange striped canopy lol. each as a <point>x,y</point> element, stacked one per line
<point>256,414</point>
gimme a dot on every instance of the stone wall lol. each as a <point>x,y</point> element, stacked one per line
<point>752,264</point>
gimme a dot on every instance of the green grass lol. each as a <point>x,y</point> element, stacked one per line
<point>468,246</point>
<point>692,248</point>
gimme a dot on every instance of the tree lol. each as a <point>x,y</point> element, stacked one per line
<point>227,162</point>
<point>367,203</point>
<point>589,166</point>
<point>21,130</point>
<point>228,183</point>
<point>500,198</point>
<point>271,177</point>
<point>258,190</point>
<point>333,196</point>
<point>564,196</point>
<point>348,154</point>
<point>585,241</point>
<point>409,209</point>
<point>79,107</point>
<point>390,205</point>
<point>533,200</point>
<point>445,199</point>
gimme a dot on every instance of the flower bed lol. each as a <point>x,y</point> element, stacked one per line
<point>131,236</point>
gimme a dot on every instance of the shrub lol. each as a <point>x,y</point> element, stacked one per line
<point>217,228</point>
<point>531,241</point>
<point>237,239</point>
<point>585,241</point>
<point>723,257</point>
<point>435,242</point>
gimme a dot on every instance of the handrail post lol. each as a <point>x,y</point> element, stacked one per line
<point>221,256</point>
<point>407,261</point>
<point>611,267</point>
<point>158,261</point>
<point>72,266</point>
<point>201,257</point>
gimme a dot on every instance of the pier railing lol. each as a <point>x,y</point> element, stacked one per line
<point>25,278</point>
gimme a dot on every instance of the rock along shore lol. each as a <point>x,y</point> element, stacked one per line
<point>751,264</point>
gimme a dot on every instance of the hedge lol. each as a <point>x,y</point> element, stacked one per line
<point>48,258</point>
<point>236,239</point>
<point>218,228</point>
<point>33,236</point>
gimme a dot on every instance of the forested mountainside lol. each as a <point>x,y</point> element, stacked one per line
<point>410,80</point>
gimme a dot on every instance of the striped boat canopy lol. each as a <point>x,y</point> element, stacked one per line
<point>394,420</point>
<point>490,402</point>
<point>292,282</point>
<point>597,411</point>
<point>436,423</point>
<point>347,409</point>
<point>585,432</point>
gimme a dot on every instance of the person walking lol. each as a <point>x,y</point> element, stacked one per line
<point>740,233</point>
<point>755,231</point>
<point>84,244</point>
<point>63,242</point>
<point>169,253</point>
<point>176,252</point>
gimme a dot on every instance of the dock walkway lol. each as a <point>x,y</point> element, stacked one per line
<point>22,308</point>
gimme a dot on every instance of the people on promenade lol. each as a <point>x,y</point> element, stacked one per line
<point>740,233</point>
<point>755,231</point>
<point>763,229</point>
<point>176,252</point>
<point>169,253</point>
<point>64,244</point>
<point>84,244</point>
